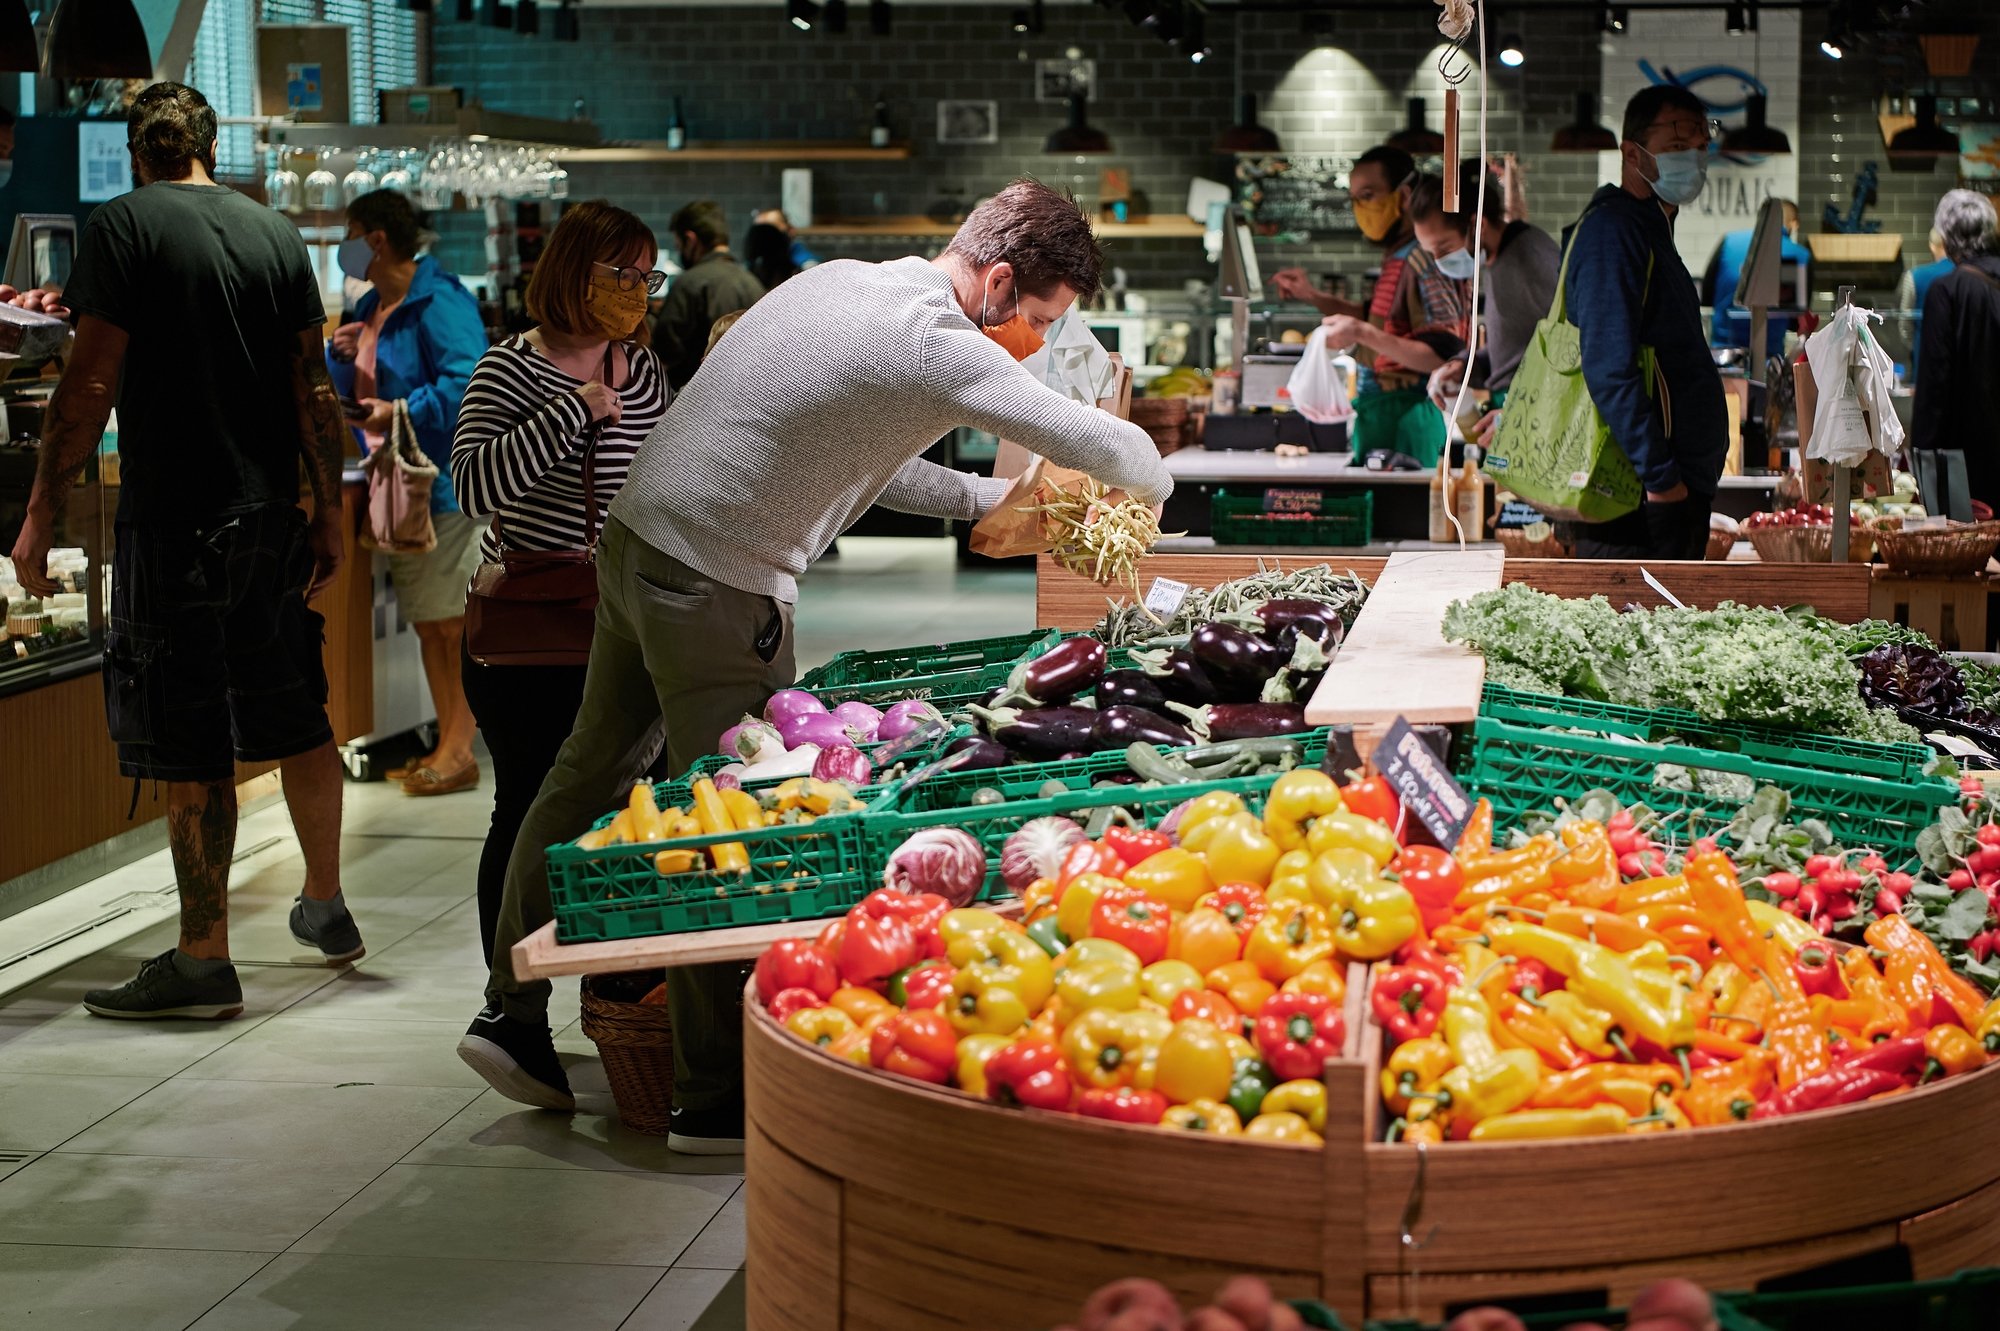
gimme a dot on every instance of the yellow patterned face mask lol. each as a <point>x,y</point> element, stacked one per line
<point>1378,216</point>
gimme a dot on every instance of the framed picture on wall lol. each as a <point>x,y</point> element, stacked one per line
<point>1061,78</point>
<point>968,122</point>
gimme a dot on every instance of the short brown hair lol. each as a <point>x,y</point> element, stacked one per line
<point>591,232</point>
<point>705,218</point>
<point>170,127</point>
<point>1041,232</point>
<point>1427,199</point>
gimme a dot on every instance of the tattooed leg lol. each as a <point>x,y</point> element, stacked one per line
<point>201,830</point>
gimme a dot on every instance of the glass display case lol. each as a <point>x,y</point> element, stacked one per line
<point>45,639</point>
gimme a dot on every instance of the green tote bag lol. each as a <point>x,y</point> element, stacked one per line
<point>1552,448</point>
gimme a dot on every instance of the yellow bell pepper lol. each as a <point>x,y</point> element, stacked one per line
<point>1107,1048</point>
<point>1534,1124</point>
<point>819,1025</point>
<point>1488,1080</point>
<point>1289,880</point>
<point>1336,873</point>
<point>1097,949</point>
<point>1298,797</point>
<point>1098,978</point>
<point>1588,1028</point>
<point>1988,1027</point>
<point>1239,1047</point>
<point>1377,918</point>
<point>961,931</point>
<point>1415,1068</point>
<point>1194,1063</point>
<point>986,1002</point>
<point>1010,957</point>
<point>1303,1097</point>
<point>1211,1116</point>
<point>1214,804</point>
<point>1954,1050</point>
<point>1282,1127</point>
<point>973,1051</point>
<point>1321,977</point>
<point>1639,990</point>
<point>1175,876</point>
<point>1078,899</point>
<point>1288,939</point>
<point>1164,981</point>
<point>1352,831</point>
<point>1239,851</point>
<point>1205,939</point>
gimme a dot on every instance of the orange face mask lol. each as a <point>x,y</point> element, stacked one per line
<point>1015,337</point>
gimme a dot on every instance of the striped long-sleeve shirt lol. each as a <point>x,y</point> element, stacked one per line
<point>518,454</point>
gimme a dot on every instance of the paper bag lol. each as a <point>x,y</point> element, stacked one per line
<point>1013,527</point>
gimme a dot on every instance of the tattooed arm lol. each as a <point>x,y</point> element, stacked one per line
<point>323,436</point>
<point>77,413</point>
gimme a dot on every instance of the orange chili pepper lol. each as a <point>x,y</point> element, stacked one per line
<point>1727,1092</point>
<point>1654,892</point>
<point>1723,1046</point>
<point>1614,931</point>
<point>1532,1030</point>
<point>1476,841</point>
<point>1865,983</point>
<point>1584,1085</point>
<point>1913,954</point>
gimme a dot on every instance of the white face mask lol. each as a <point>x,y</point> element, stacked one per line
<point>1683,175</point>
<point>1459,265</point>
<point>6,172</point>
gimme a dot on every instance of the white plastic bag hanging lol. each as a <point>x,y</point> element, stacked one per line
<point>1855,377</point>
<point>1315,390</point>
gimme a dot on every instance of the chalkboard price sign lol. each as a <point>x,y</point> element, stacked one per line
<point>1298,193</point>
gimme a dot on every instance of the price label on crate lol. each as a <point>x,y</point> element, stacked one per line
<point>1165,596</point>
<point>1425,784</point>
<point>1280,500</point>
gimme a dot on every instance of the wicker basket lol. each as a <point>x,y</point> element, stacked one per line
<point>1518,546</point>
<point>1808,545</point>
<point>636,1046</point>
<point>1941,552</point>
<point>1720,543</point>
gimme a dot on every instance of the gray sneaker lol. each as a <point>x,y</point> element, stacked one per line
<point>338,940</point>
<point>160,990</point>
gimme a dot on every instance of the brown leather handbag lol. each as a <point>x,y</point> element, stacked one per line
<point>539,607</point>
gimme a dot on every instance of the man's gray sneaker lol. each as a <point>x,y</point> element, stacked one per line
<point>160,990</point>
<point>338,940</point>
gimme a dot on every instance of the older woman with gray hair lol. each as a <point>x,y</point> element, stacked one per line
<point>1958,394</point>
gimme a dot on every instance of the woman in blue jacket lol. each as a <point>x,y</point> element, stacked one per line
<point>416,337</point>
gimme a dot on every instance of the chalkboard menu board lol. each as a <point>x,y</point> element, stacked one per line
<point>1296,194</point>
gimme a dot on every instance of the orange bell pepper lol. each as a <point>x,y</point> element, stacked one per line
<point>1290,937</point>
<point>1243,985</point>
<point>1727,1092</point>
<point>1205,939</point>
<point>1321,977</point>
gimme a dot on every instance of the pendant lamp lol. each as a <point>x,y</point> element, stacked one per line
<point>1416,138</point>
<point>1246,135</point>
<point>18,53</point>
<point>1078,138</point>
<point>1585,134</point>
<point>1754,135</point>
<point>97,39</point>
<point>1926,138</point>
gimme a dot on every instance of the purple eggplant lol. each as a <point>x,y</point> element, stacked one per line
<point>1311,619</point>
<point>1235,658</point>
<point>1255,720</point>
<point>1181,677</point>
<point>1038,732</point>
<point>1131,688</point>
<point>1122,725</point>
<point>1057,675</point>
<point>984,753</point>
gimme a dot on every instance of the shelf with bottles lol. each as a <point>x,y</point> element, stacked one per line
<point>776,150</point>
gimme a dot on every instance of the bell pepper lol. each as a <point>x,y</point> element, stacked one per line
<point>1289,938</point>
<point>1205,939</point>
<point>1587,874</point>
<point>1240,903</point>
<point>1952,1050</point>
<point>1077,900</point>
<point>1204,1116</point>
<point>1038,899</point>
<point>1298,1033</point>
<point>1428,1131</point>
<point>1029,1073</point>
<point>1603,1120</point>
<point>1047,934</point>
<point>1987,1029</point>
<point>1651,1005</point>
<point>1011,957</point>
<point>924,985</point>
<point>986,1002</point>
<point>1213,804</point>
<point>1727,1092</point>
<point>1531,979</point>
<point>1818,971</point>
<point>1322,977</point>
<point>1334,874</point>
<point>795,963</point>
<point>864,1005</point>
<point>1237,850</point>
<point>1414,1068</point>
<point>1298,797</point>
<point>1250,1080</point>
<point>1194,1063</point>
<point>1407,1001</point>
<point>919,1045</point>
<point>1107,1048</point>
<point>970,1066</point>
<point>1433,879</point>
<point>1127,915</point>
<point>788,1001</point>
<point>1096,982</point>
<point>1353,832</point>
<point>853,1046</point>
<point>1243,985</point>
<point>1165,981</point>
<point>1844,1085</point>
<point>922,911</point>
<point>873,948</point>
<point>1906,948</point>
<point>1302,1096</point>
<point>963,930</point>
<point>1488,1080</point>
<point>1176,876</point>
<point>1134,845</point>
<point>1289,877</point>
<point>819,1025</point>
<point>1206,1005</point>
<point>1372,797</point>
<point>1376,919</point>
<point>1122,1104</point>
<point>1282,1127</point>
<point>1085,858</point>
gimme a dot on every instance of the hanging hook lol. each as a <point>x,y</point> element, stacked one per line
<point>1453,73</point>
<point>1409,1244</point>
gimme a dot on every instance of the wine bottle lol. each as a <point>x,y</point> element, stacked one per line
<point>676,130</point>
<point>878,133</point>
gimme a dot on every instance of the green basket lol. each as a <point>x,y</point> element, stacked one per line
<point>958,670</point>
<point>1525,755</point>
<point>1343,520</point>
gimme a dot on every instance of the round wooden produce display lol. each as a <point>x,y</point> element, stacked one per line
<point>878,1204</point>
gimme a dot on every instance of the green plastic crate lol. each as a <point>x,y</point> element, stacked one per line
<point>961,670</point>
<point>1343,520</point>
<point>1525,755</point>
<point>679,790</point>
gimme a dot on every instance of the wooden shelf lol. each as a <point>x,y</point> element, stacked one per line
<point>656,151</point>
<point>1144,228</point>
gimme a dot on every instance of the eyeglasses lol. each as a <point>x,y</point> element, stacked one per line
<point>1711,130</point>
<point>630,278</point>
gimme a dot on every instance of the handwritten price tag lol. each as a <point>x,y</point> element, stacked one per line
<point>1165,596</point>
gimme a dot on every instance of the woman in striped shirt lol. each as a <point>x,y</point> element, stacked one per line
<point>518,459</point>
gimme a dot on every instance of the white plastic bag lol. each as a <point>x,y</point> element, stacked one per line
<point>1315,390</point>
<point>1855,377</point>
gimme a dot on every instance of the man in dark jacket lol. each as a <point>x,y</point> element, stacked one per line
<point>1628,290</point>
<point>1958,394</point>
<point>712,283</point>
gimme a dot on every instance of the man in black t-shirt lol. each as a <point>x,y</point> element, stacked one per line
<point>198,313</point>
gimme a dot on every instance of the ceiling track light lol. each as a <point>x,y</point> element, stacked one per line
<point>564,27</point>
<point>1030,20</point>
<point>1739,18</point>
<point>1194,38</point>
<point>527,17</point>
<point>1832,47</point>
<point>1512,55</point>
<point>834,15</point>
<point>496,14</point>
<point>878,17</point>
<point>802,14</point>
<point>1615,19</point>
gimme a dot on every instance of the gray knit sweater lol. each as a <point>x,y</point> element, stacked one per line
<point>817,404</point>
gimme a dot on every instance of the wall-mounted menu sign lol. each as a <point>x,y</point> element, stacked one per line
<point>1297,193</point>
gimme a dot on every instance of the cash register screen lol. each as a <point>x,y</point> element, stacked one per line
<point>41,250</point>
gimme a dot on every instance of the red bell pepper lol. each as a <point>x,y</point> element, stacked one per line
<point>1205,1005</point>
<point>924,985</point>
<point>1122,1104</point>
<point>1531,979</point>
<point>1372,797</point>
<point>1433,877</point>
<point>1242,904</point>
<point>1408,1001</point>
<point>1844,1085</point>
<point>1298,1032</point>
<point>787,1001</point>
<point>919,1045</point>
<point>1818,970</point>
<point>875,947</point>
<point>920,910</point>
<point>1127,915</point>
<point>1088,857</point>
<point>1134,844</point>
<point>1422,954</point>
<point>1030,1073</point>
<point>796,963</point>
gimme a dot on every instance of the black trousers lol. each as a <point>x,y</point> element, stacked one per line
<point>1651,531</point>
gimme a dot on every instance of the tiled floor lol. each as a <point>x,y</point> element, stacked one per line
<point>325,1161</point>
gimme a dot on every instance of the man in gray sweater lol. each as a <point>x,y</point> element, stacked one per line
<point>814,406</point>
